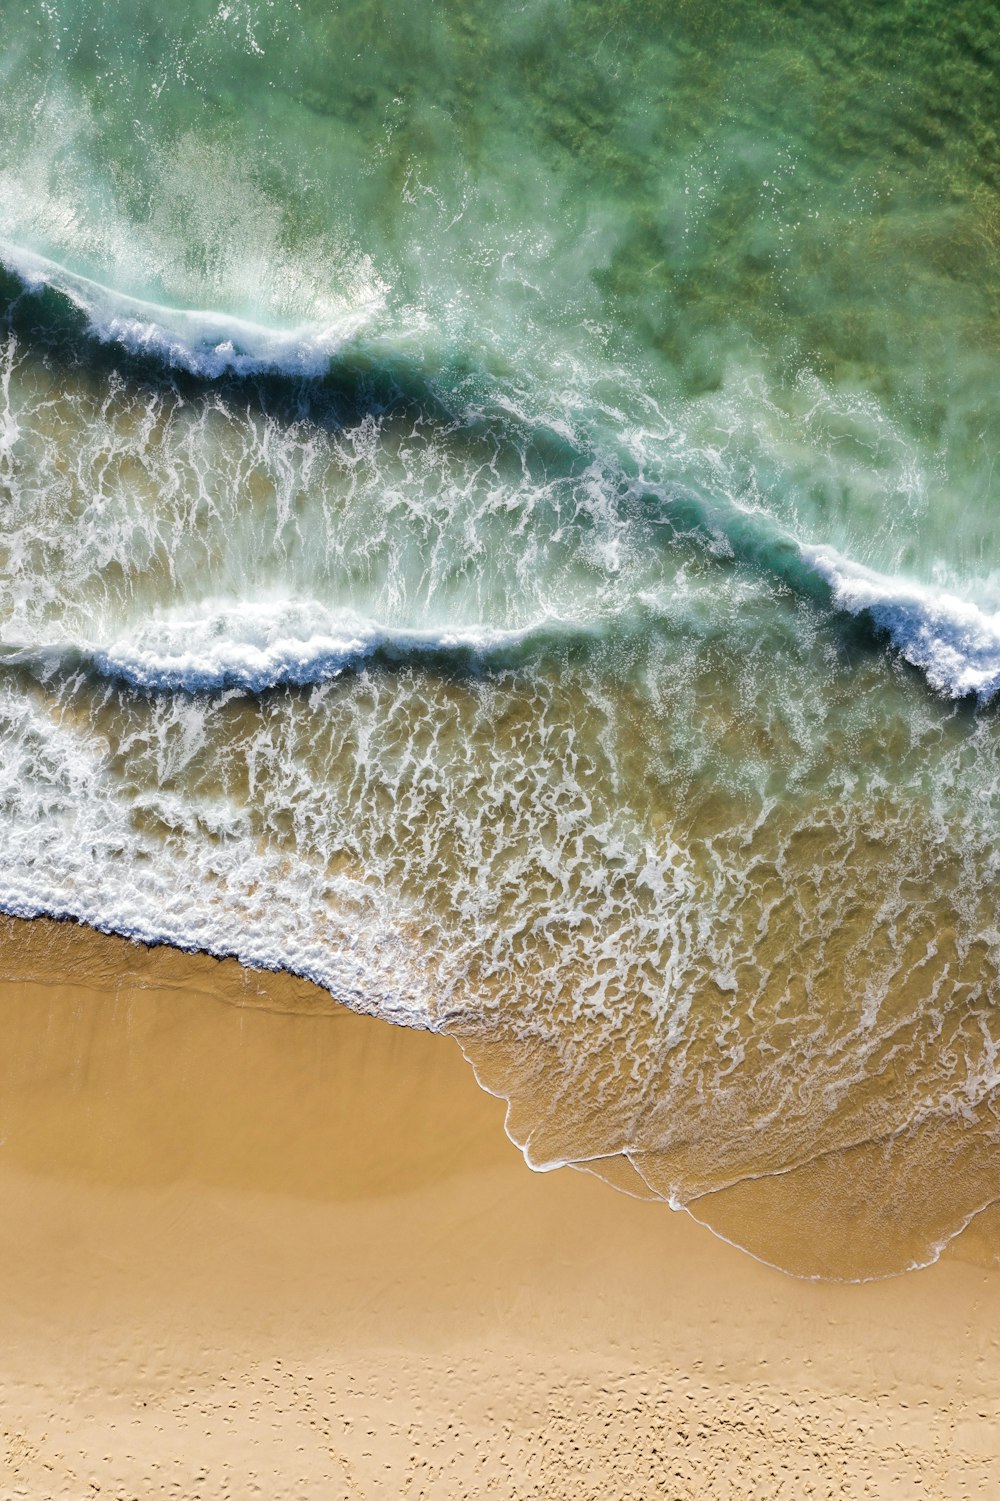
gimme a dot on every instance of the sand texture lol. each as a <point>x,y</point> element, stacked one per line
<point>251,1245</point>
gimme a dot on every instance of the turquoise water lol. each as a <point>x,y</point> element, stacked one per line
<point>497,518</point>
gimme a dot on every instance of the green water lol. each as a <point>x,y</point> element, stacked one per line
<point>573,624</point>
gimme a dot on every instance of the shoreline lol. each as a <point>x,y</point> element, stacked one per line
<point>65,949</point>
<point>256,1244</point>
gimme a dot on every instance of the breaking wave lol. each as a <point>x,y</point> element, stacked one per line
<point>253,647</point>
<point>203,343</point>
<point>954,642</point>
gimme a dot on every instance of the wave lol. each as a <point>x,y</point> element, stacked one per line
<point>256,646</point>
<point>205,344</point>
<point>954,642</point>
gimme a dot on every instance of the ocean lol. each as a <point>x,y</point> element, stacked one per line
<point>498,519</point>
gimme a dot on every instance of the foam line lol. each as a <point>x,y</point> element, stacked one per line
<point>254,646</point>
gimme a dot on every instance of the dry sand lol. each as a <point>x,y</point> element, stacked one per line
<point>251,1245</point>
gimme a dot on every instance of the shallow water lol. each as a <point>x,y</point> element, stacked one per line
<point>498,519</point>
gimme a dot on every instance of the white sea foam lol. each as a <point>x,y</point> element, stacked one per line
<point>205,343</point>
<point>953,641</point>
<point>74,843</point>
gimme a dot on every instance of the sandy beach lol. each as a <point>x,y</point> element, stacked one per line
<point>253,1245</point>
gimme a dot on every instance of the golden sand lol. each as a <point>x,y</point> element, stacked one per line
<point>252,1245</point>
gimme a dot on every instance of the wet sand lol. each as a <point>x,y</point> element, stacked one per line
<point>252,1245</point>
